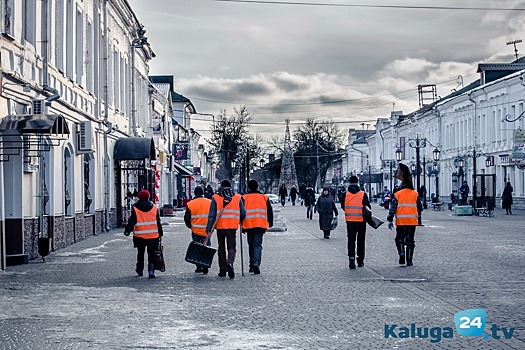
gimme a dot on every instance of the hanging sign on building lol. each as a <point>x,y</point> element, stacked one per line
<point>180,151</point>
<point>518,149</point>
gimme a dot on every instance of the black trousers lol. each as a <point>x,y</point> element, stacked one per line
<point>226,240</point>
<point>356,231</point>
<point>405,236</point>
<point>140,255</point>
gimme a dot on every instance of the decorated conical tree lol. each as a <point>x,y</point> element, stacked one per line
<point>288,174</point>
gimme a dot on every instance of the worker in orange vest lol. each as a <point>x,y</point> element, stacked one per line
<point>147,231</point>
<point>352,203</point>
<point>196,218</point>
<point>227,224</point>
<point>406,207</point>
<point>259,218</point>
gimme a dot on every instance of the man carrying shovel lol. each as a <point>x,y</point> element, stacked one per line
<point>227,224</point>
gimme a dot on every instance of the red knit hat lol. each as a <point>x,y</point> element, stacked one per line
<point>143,195</point>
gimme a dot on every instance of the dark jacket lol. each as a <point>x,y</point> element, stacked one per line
<point>326,208</point>
<point>507,196</point>
<point>293,193</point>
<point>393,206</point>
<point>143,205</point>
<point>283,192</point>
<point>309,196</point>
<point>269,213</point>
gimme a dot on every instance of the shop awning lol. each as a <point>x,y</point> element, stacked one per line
<point>43,124</point>
<point>181,169</point>
<point>134,148</point>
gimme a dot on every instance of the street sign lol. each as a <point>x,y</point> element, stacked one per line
<point>519,136</point>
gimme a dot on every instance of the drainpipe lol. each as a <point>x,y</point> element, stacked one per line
<point>474,187</point>
<point>106,122</point>
<point>2,218</point>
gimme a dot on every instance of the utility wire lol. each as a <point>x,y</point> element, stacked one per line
<point>404,7</point>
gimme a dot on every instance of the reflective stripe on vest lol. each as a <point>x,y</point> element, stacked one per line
<point>256,211</point>
<point>146,226</point>
<point>199,208</point>
<point>354,206</point>
<point>406,213</point>
<point>231,215</point>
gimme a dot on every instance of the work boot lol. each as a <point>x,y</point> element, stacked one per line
<point>352,263</point>
<point>139,270</point>
<point>402,258</point>
<point>409,255</point>
<point>256,269</point>
<point>251,269</point>
<point>205,270</point>
<point>401,252</point>
<point>231,273</point>
<point>151,271</point>
<point>360,264</point>
<point>198,269</point>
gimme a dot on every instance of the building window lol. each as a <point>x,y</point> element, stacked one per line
<point>30,21</point>
<point>79,42</point>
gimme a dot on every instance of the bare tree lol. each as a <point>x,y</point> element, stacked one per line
<point>231,141</point>
<point>316,146</point>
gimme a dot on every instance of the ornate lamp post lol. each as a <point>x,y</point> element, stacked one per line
<point>418,143</point>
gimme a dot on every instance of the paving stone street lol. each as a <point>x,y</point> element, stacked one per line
<point>87,296</point>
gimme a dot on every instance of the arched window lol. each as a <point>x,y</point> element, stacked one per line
<point>88,182</point>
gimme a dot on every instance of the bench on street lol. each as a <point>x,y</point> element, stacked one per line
<point>438,206</point>
<point>488,212</point>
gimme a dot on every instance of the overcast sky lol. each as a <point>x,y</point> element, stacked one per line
<point>346,63</point>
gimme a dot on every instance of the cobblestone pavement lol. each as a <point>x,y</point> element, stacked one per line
<point>87,297</point>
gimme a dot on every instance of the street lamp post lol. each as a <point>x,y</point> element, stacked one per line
<point>418,143</point>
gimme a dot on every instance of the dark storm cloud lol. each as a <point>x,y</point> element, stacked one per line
<point>282,60</point>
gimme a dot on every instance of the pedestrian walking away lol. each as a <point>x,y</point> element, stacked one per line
<point>352,203</point>
<point>506,197</point>
<point>259,217</point>
<point>406,207</point>
<point>282,194</point>
<point>227,224</point>
<point>293,194</point>
<point>309,201</point>
<point>208,193</point>
<point>196,218</point>
<point>145,224</point>
<point>464,191</point>
<point>326,208</point>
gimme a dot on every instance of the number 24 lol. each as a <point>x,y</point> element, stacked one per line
<point>467,323</point>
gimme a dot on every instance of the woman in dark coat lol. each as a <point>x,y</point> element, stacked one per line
<point>283,193</point>
<point>326,208</point>
<point>507,198</point>
<point>293,194</point>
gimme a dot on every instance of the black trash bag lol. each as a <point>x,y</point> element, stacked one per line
<point>159,258</point>
<point>333,224</point>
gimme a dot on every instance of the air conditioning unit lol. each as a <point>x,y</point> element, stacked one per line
<point>39,106</point>
<point>521,164</point>
<point>85,137</point>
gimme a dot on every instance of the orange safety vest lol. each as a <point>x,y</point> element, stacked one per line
<point>231,215</point>
<point>146,226</point>
<point>199,209</point>
<point>406,213</point>
<point>354,206</point>
<point>256,211</point>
